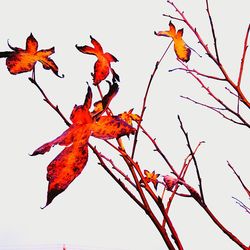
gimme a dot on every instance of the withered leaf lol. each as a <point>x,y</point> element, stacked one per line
<point>180,47</point>
<point>151,177</point>
<point>102,66</point>
<point>68,164</point>
<point>24,60</point>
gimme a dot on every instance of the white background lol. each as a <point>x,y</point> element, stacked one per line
<point>94,213</point>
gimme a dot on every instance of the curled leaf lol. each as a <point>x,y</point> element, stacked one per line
<point>128,117</point>
<point>24,60</point>
<point>180,47</point>
<point>102,66</point>
<point>101,106</point>
<point>151,177</point>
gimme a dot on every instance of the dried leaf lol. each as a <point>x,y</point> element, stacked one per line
<point>181,49</point>
<point>101,106</point>
<point>102,66</point>
<point>24,60</point>
<point>70,162</point>
<point>170,182</point>
<point>151,177</point>
<point>110,127</point>
<point>128,117</point>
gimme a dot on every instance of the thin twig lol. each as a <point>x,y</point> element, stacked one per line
<point>126,177</point>
<point>157,148</point>
<point>145,99</point>
<point>194,159</point>
<point>215,109</point>
<point>118,181</point>
<point>227,232</point>
<point>173,17</point>
<point>181,176</point>
<point>198,73</point>
<point>46,99</point>
<point>239,178</point>
<point>247,209</point>
<point>216,98</point>
<point>243,56</point>
<point>213,32</point>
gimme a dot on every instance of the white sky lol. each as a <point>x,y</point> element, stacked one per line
<point>94,213</point>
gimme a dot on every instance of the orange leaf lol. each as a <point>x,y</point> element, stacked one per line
<point>103,63</point>
<point>181,49</point>
<point>110,127</point>
<point>151,177</point>
<point>67,165</point>
<point>128,117</point>
<point>70,162</point>
<point>20,60</point>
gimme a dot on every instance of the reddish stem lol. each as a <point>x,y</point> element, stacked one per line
<point>239,178</point>
<point>243,56</point>
<point>210,54</point>
<point>216,98</point>
<point>46,99</point>
<point>145,99</point>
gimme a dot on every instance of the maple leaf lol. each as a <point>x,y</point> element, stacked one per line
<point>180,47</point>
<point>23,60</point>
<point>151,177</point>
<point>128,117</point>
<point>70,162</point>
<point>102,66</point>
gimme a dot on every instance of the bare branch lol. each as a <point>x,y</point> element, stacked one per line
<point>215,109</point>
<point>239,178</point>
<point>173,17</point>
<point>126,177</point>
<point>213,32</point>
<point>216,98</point>
<point>243,56</point>
<point>157,148</point>
<point>145,99</point>
<point>198,73</point>
<point>118,181</point>
<point>194,159</point>
<point>247,209</point>
<point>46,99</point>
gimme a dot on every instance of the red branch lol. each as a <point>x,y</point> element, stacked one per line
<point>46,99</point>
<point>215,97</point>
<point>210,54</point>
<point>145,99</point>
<point>239,178</point>
<point>193,158</point>
<point>243,56</point>
<point>213,32</point>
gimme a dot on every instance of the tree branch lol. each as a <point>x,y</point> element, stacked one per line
<point>145,99</point>
<point>239,178</point>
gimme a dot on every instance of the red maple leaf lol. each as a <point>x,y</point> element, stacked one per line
<point>70,162</point>
<point>102,66</point>
<point>181,49</point>
<point>23,60</point>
